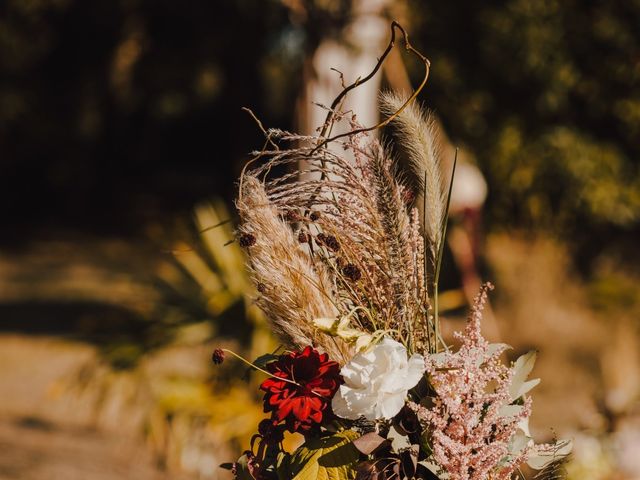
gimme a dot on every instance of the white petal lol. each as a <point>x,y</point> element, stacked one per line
<point>377,381</point>
<point>391,405</point>
<point>356,373</point>
<point>347,403</point>
<point>339,406</point>
<point>394,352</point>
<point>359,402</point>
<point>415,371</point>
<point>392,383</point>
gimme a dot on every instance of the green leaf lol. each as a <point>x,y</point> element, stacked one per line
<point>262,360</point>
<point>244,468</point>
<point>282,465</point>
<point>332,457</point>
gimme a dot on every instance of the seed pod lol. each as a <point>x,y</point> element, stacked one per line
<point>217,357</point>
<point>352,272</point>
<point>247,240</point>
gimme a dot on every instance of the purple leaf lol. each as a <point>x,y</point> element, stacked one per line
<point>369,443</point>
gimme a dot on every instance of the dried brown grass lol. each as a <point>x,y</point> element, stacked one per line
<point>417,136</point>
<point>341,238</point>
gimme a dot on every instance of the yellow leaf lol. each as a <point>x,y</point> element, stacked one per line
<point>327,458</point>
<point>326,324</point>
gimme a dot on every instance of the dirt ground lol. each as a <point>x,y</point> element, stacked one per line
<point>31,449</point>
<point>43,439</point>
<point>590,389</point>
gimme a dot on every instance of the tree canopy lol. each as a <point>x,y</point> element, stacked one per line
<point>117,114</point>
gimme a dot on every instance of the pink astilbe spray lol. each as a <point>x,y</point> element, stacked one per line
<point>469,427</point>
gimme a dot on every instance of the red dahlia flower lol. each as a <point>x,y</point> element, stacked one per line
<point>304,398</point>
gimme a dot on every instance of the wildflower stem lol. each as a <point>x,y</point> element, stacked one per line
<point>258,368</point>
<point>436,276</point>
<point>426,260</point>
<point>219,224</point>
<point>436,325</point>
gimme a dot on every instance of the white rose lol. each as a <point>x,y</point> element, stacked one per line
<point>376,382</point>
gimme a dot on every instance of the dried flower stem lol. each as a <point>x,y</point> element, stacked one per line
<point>436,276</point>
<point>252,365</point>
<point>332,110</point>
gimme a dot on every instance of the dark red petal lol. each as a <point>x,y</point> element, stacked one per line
<point>302,408</point>
<point>316,417</point>
<point>284,409</point>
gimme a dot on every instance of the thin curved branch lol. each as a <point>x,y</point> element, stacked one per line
<point>332,110</point>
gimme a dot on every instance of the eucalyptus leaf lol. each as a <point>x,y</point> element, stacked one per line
<point>263,360</point>
<point>398,440</point>
<point>497,348</point>
<point>510,410</point>
<point>519,442</point>
<point>521,370</point>
<point>434,469</point>
<point>540,459</point>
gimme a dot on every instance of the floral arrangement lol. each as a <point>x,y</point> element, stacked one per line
<point>345,256</point>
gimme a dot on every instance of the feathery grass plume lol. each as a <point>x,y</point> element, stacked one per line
<point>293,291</point>
<point>394,221</point>
<point>355,224</point>
<point>417,135</point>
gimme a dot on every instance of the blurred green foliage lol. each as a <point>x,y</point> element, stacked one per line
<point>546,93</point>
<point>118,114</point>
<point>115,116</point>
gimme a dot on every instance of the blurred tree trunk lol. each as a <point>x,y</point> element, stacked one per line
<point>354,55</point>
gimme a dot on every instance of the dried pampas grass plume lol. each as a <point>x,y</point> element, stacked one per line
<point>338,241</point>
<point>292,290</point>
<point>417,134</point>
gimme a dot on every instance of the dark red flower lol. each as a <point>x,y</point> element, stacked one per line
<point>301,405</point>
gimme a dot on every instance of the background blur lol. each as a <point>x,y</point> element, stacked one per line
<point>121,138</point>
